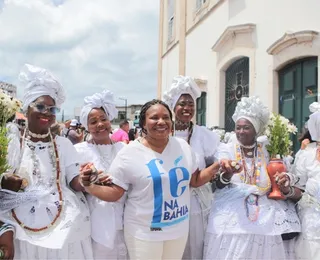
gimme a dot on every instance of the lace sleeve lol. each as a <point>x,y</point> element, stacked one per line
<point>211,143</point>
<point>225,151</point>
<point>299,169</point>
<point>71,159</point>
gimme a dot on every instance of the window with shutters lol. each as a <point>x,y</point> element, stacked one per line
<point>171,4</point>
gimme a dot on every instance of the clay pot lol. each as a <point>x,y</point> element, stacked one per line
<point>274,166</point>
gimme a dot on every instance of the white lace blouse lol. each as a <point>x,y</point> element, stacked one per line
<point>106,217</point>
<point>307,170</point>
<point>73,224</point>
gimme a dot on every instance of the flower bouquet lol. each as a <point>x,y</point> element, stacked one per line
<point>8,107</point>
<point>279,131</point>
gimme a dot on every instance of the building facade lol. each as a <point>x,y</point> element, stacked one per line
<point>236,48</point>
<point>9,89</point>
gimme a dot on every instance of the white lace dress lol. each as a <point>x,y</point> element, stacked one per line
<point>69,237</point>
<point>106,217</point>
<point>204,143</point>
<point>307,169</point>
<point>241,228</point>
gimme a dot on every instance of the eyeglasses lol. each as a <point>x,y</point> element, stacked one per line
<point>43,108</point>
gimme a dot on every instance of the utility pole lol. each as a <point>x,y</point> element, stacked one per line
<point>125,106</point>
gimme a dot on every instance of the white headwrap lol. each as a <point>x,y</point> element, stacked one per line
<point>181,85</point>
<point>103,100</point>
<point>40,82</point>
<point>252,109</point>
<point>314,121</point>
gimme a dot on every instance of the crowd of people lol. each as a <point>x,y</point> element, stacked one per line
<point>168,190</point>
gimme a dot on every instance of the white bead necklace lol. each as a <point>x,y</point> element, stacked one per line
<point>106,162</point>
<point>38,136</point>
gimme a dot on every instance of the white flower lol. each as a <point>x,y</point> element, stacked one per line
<point>267,132</point>
<point>284,120</point>
<point>292,128</point>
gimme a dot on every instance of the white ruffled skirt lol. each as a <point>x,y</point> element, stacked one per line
<point>307,249</point>
<point>76,250</point>
<point>200,205</point>
<point>248,247</point>
<point>119,251</point>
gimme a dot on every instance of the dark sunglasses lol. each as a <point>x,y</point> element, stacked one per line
<point>43,108</point>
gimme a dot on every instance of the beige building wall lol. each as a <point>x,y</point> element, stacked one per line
<point>271,33</point>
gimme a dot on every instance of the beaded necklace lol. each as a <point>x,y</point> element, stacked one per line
<point>105,163</point>
<point>190,131</point>
<point>56,169</point>
<point>252,177</point>
<point>258,163</point>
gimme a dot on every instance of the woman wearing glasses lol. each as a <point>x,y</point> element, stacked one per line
<point>44,215</point>
<point>106,217</point>
<point>181,99</point>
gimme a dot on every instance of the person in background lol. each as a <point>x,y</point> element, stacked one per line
<point>121,135</point>
<point>133,134</point>
<point>306,171</point>
<point>181,98</point>
<point>74,133</point>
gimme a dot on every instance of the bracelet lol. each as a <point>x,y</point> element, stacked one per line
<point>292,178</point>
<point>6,228</point>
<point>291,193</point>
<point>223,180</point>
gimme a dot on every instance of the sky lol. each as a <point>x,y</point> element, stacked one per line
<point>88,45</point>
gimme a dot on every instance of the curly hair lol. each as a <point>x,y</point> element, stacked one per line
<point>146,106</point>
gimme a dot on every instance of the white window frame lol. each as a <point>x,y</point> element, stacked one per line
<point>199,4</point>
<point>171,7</point>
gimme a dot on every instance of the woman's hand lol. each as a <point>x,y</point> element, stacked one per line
<point>12,182</point>
<point>89,175</point>
<point>304,144</point>
<point>104,180</point>
<point>229,168</point>
<point>7,245</point>
<point>283,182</point>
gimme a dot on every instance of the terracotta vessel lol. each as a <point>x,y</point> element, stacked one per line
<point>274,166</point>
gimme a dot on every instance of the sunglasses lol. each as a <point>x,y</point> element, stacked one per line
<point>43,108</point>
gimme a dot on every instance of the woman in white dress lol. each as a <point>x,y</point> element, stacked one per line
<point>181,99</point>
<point>106,217</point>
<point>244,223</point>
<point>49,216</point>
<point>306,170</point>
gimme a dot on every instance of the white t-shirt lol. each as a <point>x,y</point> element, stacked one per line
<point>157,207</point>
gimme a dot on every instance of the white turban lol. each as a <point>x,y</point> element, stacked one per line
<point>181,85</point>
<point>103,100</point>
<point>252,109</point>
<point>40,82</point>
<point>314,121</point>
<point>314,107</point>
